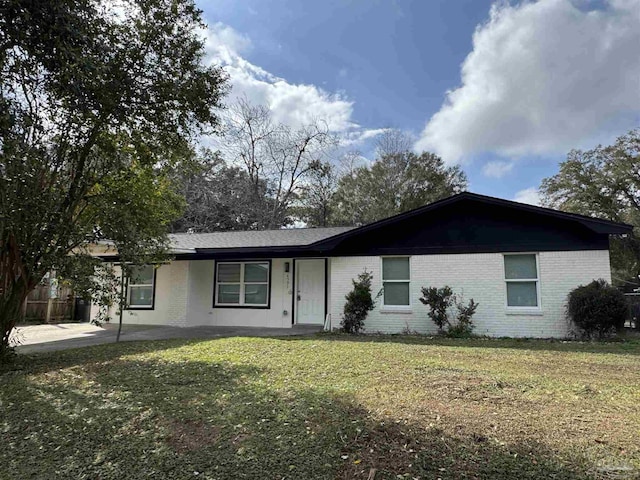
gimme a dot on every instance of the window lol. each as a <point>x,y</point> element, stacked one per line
<point>521,275</point>
<point>140,290</point>
<point>395,281</point>
<point>242,284</point>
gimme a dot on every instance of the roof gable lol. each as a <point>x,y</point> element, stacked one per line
<point>471,223</point>
<point>596,225</point>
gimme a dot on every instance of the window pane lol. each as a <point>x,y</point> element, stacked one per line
<point>395,268</point>
<point>229,272</point>
<point>229,293</point>
<point>140,296</point>
<point>255,294</point>
<point>520,266</point>
<point>256,272</point>
<point>142,275</point>
<point>396,293</point>
<point>522,294</point>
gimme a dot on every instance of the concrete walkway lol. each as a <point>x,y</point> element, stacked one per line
<point>44,338</point>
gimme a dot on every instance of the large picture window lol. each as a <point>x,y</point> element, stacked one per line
<point>140,289</point>
<point>242,284</point>
<point>396,280</point>
<point>521,276</point>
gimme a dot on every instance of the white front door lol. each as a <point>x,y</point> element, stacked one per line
<point>310,291</point>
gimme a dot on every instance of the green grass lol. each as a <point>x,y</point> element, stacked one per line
<point>324,407</point>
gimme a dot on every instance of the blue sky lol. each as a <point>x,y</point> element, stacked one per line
<point>504,89</point>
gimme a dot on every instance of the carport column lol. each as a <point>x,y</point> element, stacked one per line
<point>178,293</point>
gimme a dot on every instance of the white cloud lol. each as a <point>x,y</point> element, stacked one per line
<point>360,136</point>
<point>292,104</point>
<point>528,195</point>
<point>497,168</point>
<point>222,42</point>
<point>542,78</point>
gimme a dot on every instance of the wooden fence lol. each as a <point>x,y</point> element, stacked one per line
<point>40,308</point>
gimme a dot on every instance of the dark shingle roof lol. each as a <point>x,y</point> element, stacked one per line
<point>247,239</point>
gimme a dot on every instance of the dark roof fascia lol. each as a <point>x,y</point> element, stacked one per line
<point>596,224</point>
<point>249,252</point>
<point>239,253</point>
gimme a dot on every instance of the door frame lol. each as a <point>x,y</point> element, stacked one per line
<point>294,291</point>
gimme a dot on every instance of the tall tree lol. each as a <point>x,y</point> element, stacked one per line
<point>604,182</point>
<point>97,106</point>
<point>316,198</point>
<point>393,142</point>
<point>394,184</point>
<point>275,154</point>
<point>220,197</point>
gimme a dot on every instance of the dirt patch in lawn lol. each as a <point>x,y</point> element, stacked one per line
<point>392,449</point>
<point>190,435</point>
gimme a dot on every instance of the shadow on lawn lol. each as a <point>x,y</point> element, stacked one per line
<point>133,419</point>
<point>39,362</point>
<point>619,347</point>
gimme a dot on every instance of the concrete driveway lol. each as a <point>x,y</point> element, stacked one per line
<point>44,338</point>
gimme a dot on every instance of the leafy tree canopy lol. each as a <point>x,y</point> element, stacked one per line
<point>221,197</point>
<point>98,106</point>
<point>315,205</point>
<point>604,182</point>
<point>395,183</point>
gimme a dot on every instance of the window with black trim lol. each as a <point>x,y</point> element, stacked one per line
<point>523,282</point>
<point>242,283</point>
<point>141,286</point>
<point>396,280</point>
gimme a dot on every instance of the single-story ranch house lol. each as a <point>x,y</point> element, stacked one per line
<point>518,261</point>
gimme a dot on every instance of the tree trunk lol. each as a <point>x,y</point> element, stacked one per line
<point>15,285</point>
<point>11,312</point>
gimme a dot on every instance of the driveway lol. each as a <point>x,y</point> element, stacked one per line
<point>44,338</point>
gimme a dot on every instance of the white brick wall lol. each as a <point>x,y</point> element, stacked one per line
<point>478,276</point>
<point>170,306</point>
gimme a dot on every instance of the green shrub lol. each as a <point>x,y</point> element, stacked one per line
<point>464,325</point>
<point>597,309</point>
<point>440,302</point>
<point>359,304</point>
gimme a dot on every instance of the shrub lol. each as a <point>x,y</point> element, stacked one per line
<point>597,309</point>
<point>440,301</point>
<point>359,304</point>
<point>464,326</point>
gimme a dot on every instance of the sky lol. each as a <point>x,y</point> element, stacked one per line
<point>504,89</point>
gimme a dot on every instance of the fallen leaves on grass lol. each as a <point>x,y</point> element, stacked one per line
<point>325,407</point>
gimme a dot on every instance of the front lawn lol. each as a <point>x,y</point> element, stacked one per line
<point>324,407</point>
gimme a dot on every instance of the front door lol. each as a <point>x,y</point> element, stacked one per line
<point>310,291</point>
